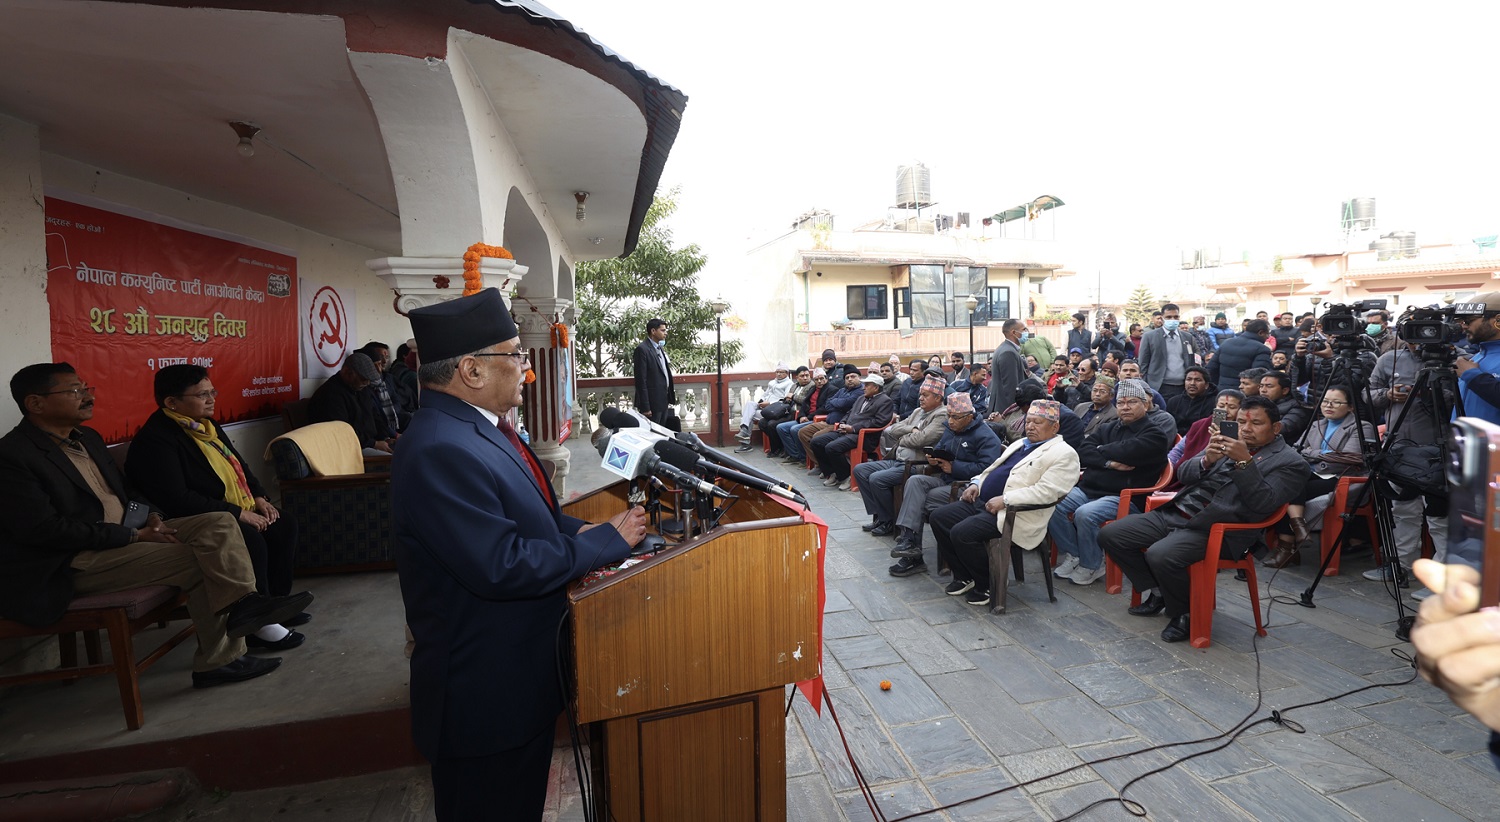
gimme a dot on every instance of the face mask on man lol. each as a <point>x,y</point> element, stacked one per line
<point>1025,335</point>
<point>1374,329</point>
<point>1170,325</point>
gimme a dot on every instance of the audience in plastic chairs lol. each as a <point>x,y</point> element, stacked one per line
<point>1332,450</point>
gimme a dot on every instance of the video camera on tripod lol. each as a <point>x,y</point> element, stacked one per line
<point>1436,331</point>
<point>1341,320</point>
<point>1343,325</point>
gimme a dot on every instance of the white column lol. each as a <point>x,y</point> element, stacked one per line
<point>423,281</point>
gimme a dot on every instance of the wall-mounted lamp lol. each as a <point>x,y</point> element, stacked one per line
<point>582,197</point>
<point>246,132</point>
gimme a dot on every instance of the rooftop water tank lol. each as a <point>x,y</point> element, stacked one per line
<point>1359,213</point>
<point>913,186</point>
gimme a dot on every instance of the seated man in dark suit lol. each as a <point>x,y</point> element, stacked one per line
<point>831,448</point>
<point>1236,480</point>
<point>1127,452</point>
<point>342,398</point>
<point>73,527</point>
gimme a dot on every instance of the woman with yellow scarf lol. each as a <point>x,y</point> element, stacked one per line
<point>185,464</point>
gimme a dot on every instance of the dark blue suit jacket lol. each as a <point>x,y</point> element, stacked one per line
<point>484,561</point>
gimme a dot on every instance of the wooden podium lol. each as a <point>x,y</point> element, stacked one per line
<point>681,663</point>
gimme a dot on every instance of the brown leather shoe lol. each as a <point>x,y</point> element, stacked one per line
<point>1285,554</point>
<point>1300,534</point>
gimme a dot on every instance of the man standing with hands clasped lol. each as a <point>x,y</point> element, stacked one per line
<point>485,555</point>
<point>654,389</point>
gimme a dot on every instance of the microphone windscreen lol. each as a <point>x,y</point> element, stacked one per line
<point>617,419</point>
<point>675,455</point>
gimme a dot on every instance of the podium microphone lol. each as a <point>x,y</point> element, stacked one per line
<point>631,455</point>
<point>784,491</point>
<point>615,418</point>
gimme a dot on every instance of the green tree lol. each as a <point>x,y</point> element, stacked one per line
<point>616,297</point>
<point>1141,305</point>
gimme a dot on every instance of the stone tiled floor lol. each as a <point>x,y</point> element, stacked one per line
<point>981,703</point>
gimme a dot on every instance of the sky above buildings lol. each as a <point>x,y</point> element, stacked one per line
<point>1161,125</point>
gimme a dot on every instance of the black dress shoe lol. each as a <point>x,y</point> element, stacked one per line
<point>286,643</point>
<point>246,667</point>
<point>884,529</point>
<point>300,619</point>
<point>256,611</point>
<point>1150,606</point>
<point>871,525</point>
<point>908,567</point>
<point>906,551</point>
<point>1176,630</point>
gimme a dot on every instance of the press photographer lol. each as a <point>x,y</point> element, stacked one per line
<point>1416,425</point>
<point>1477,383</point>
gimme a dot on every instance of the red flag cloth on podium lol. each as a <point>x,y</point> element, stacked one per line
<point>813,688</point>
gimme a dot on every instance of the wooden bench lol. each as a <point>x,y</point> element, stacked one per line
<point>121,616</point>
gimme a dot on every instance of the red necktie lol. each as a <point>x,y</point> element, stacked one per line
<point>543,486</point>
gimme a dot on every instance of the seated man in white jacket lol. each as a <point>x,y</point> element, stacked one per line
<point>1036,470</point>
<point>776,389</point>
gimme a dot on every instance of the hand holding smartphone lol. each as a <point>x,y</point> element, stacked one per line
<point>1473,473</point>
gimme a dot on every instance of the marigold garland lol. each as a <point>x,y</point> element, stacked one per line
<point>473,279</point>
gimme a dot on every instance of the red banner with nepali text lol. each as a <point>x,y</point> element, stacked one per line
<point>128,296</point>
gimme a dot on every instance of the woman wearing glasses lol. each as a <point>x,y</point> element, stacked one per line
<point>1332,448</point>
<point>185,464</point>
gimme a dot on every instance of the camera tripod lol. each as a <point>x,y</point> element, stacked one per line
<point>1435,382</point>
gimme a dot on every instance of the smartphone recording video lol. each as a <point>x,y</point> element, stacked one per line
<point>1230,429</point>
<point>1473,473</point>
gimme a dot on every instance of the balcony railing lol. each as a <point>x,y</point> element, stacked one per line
<point>696,402</point>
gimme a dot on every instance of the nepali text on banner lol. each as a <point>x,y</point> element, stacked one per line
<point>128,296</point>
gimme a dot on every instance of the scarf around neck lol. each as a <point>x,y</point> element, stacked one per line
<point>220,458</point>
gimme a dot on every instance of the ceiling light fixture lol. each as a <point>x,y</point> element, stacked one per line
<point>581,197</point>
<point>246,132</point>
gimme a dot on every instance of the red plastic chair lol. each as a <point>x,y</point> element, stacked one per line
<point>1338,514</point>
<point>1203,574</point>
<point>861,448</point>
<point>1114,579</point>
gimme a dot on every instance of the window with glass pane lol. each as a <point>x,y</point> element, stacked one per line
<point>866,302</point>
<point>929,297</point>
<point>903,302</point>
<point>966,281</point>
<point>996,304</point>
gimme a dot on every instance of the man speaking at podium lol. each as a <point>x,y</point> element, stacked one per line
<point>484,554</point>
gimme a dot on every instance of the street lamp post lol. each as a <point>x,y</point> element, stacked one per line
<point>971,303</point>
<point>721,400</point>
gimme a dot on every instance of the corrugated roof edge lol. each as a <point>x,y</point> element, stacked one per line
<point>538,10</point>
<point>663,116</point>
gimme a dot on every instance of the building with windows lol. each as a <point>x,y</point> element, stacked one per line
<point>889,287</point>
<point>1419,275</point>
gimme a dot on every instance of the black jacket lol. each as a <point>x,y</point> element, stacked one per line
<point>1142,444</point>
<point>402,383</point>
<point>1241,352</point>
<point>1187,410</point>
<point>50,516</point>
<point>336,401</point>
<point>1295,417</point>
<point>166,463</point>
